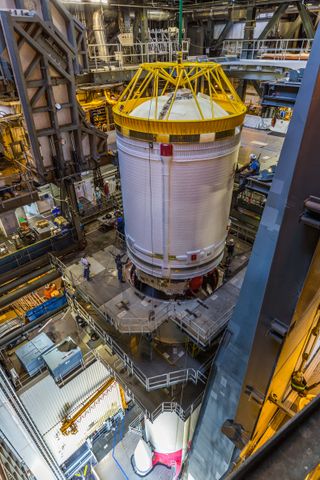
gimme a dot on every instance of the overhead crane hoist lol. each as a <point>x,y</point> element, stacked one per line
<point>69,425</point>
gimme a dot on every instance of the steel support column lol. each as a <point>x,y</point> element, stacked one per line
<point>242,89</point>
<point>257,87</point>
<point>306,20</point>
<point>276,272</point>
<point>226,29</point>
<point>248,31</point>
<point>273,20</point>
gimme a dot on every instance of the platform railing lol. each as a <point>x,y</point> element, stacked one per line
<point>200,335</point>
<point>114,56</point>
<point>136,324</point>
<point>277,49</point>
<point>150,383</point>
<point>136,425</point>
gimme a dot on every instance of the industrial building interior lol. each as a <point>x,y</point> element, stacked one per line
<point>159,239</point>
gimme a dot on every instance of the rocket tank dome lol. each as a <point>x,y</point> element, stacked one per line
<point>184,107</point>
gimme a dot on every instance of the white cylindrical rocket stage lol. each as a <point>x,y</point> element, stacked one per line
<point>177,206</point>
<point>177,155</point>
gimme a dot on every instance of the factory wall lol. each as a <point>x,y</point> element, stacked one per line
<point>13,429</point>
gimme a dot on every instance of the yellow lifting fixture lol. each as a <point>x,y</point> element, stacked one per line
<point>69,426</point>
<point>154,80</point>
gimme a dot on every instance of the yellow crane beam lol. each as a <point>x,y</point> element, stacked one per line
<point>69,426</point>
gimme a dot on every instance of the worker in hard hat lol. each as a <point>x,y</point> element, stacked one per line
<point>86,267</point>
<point>250,169</point>
<point>119,264</point>
<point>98,196</point>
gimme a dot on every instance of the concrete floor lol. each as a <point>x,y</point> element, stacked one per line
<point>261,143</point>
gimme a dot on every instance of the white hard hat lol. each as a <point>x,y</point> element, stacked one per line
<point>253,156</point>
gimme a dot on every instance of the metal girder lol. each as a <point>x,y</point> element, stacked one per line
<point>257,87</point>
<point>242,89</point>
<point>12,48</point>
<point>273,20</point>
<point>248,29</point>
<point>279,94</point>
<point>43,60</point>
<point>226,29</point>
<point>278,266</point>
<point>306,20</point>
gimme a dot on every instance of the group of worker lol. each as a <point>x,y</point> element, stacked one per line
<point>118,261</point>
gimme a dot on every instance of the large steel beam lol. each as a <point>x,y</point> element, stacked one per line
<point>276,272</point>
<point>256,85</point>
<point>273,20</point>
<point>306,20</point>
<point>12,48</point>
<point>224,32</point>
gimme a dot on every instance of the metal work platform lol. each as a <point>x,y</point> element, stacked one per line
<point>204,320</point>
<point>129,311</point>
<point>156,375</point>
<point>261,70</point>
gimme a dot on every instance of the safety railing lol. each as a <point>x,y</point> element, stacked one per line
<point>277,49</point>
<point>114,56</point>
<point>174,407</point>
<point>136,426</point>
<point>134,325</point>
<point>245,232</point>
<point>150,383</point>
<point>200,335</point>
